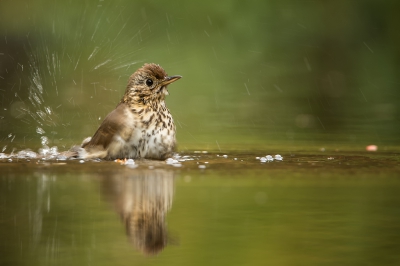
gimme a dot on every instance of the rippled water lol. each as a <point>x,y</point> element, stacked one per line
<point>201,208</point>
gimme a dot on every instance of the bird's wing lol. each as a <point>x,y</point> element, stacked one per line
<point>110,126</point>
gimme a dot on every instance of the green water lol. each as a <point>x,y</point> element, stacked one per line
<point>330,208</point>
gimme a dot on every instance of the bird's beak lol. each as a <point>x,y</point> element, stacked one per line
<point>169,80</point>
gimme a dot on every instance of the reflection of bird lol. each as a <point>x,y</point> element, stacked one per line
<point>141,126</point>
<point>143,199</point>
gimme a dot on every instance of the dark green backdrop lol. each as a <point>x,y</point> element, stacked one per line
<point>256,74</point>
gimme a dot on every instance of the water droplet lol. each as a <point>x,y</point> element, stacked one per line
<point>40,131</point>
<point>44,140</point>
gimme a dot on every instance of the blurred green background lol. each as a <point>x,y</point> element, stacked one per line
<point>256,74</point>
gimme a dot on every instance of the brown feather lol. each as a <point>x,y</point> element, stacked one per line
<point>111,125</point>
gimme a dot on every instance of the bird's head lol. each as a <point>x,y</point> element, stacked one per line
<point>148,83</point>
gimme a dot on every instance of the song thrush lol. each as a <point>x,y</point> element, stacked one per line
<point>141,125</point>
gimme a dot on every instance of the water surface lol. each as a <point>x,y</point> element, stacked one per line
<point>327,208</point>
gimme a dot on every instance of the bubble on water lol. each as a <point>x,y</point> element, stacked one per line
<point>170,161</point>
<point>129,162</point>
<point>173,162</point>
<point>278,157</point>
<point>269,158</point>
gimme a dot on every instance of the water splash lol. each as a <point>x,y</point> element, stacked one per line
<point>44,141</point>
<point>53,62</point>
<point>26,154</point>
<point>46,151</point>
<point>96,49</point>
<point>40,130</point>
<point>42,84</point>
<point>102,64</point>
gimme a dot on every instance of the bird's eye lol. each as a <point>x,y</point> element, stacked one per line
<point>149,82</point>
